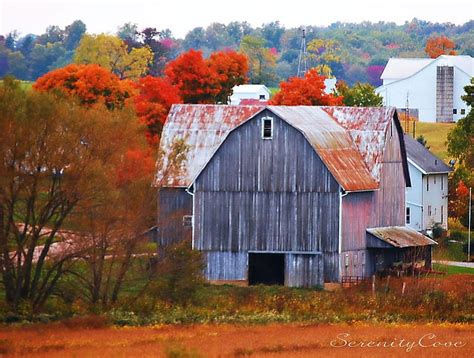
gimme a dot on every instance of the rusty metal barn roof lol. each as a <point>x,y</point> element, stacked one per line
<point>203,129</point>
<point>349,140</point>
<point>401,236</point>
<point>332,143</point>
<point>367,127</point>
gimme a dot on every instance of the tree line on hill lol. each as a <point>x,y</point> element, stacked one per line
<point>353,52</point>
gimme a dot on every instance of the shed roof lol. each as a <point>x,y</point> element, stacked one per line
<point>423,158</point>
<point>349,140</point>
<point>250,88</point>
<point>400,236</point>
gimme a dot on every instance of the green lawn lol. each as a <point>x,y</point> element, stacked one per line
<point>452,270</point>
<point>436,135</point>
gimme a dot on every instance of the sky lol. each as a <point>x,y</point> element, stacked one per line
<point>33,16</point>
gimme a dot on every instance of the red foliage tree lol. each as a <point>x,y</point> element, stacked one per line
<point>90,83</point>
<point>307,91</point>
<point>194,78</point>
<point>229,69</point>
<point>437,46</point>
<point>153,102</point>
<point>136,164</point>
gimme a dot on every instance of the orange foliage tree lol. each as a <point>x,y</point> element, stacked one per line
<point>229,69</point>
<point>307,91</point>
<point>90,83</point>
<point>194,78</point>
<point>201,80</point>
<point>153,102</point>
<point>441,45</point>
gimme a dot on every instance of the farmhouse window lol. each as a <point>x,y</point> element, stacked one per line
<point>262,96</point>
<point>442,183</point>
<point>455,111</point>
<point>442,214</point>
<point>408,216</point>
<point>187,220</point>
<point>427,183</point>
<point>429,210</point>
<point>267,128</point>
<point>463,111</point>
<point>434,178</point>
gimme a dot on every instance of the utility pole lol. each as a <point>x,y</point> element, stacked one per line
<point>303,57</point>
<point>469,228</point>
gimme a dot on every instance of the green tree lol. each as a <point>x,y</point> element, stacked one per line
<point>73,34</point>
<point>113,54</point>
<point>360,95</point>
<point>262,61</point>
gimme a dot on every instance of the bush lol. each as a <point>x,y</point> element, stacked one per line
<point>180,274</point>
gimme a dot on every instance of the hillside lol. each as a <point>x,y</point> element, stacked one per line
<point>360,50</point>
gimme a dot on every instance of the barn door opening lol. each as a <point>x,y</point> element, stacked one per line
<point>267,269</point>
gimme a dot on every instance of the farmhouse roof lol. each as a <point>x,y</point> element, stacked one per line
<point>400,68</point>
<point>427,162</point>
<point>249,88</point>
<point>349,140</point>
<point>399,236</point>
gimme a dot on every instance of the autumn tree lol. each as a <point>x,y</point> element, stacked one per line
<point>194,78</point>
<point>262,60</point>
<point>153,102</point>
<point>360,95</point>
<point>461,147</point>
<point>57,156</point>
<point>90,83</point>
<point>324,53</point>
<point>307,91</point>
<point>113,54</point>
<point>440,45</point>
<point>229,69</point>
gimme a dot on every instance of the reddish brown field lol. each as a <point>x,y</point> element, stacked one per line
<point>278,340</point>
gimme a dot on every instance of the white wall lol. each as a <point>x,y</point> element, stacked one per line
<point>414,198</point>
<point>237,97</point>
<point>461,79</point>
<point>419,199</point>
<point>437,198</point>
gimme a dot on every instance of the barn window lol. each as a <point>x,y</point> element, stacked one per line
<point>407,216</point>
<point>463,111</point>
<point>262,96</point>
<point>267,128</point>
<point>187,220</point>
<point>455,111</point>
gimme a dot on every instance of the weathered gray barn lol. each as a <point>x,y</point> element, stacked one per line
<point>288,195</point>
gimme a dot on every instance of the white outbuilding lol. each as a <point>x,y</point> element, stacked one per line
<point>430,88</point>
<point>251,92</point>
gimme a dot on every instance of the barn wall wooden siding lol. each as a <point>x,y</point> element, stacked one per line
<point>267,195</point>
<point>383,207</point>
<point>173,204</point>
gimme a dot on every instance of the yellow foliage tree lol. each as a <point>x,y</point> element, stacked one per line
<point>113,54</point>
<point>324,52</point>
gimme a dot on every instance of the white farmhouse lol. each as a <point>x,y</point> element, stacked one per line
<point>254,93</point>
<point>430,88</point>
<point>427,198</point>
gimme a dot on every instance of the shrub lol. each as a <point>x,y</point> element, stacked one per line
<point>180,274</point>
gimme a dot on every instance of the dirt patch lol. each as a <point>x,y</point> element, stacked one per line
<point>277,340</point>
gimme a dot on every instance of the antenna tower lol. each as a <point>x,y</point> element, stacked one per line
<point>303,56</point>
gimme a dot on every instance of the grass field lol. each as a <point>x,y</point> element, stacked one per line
<point>275,340</point>
<point>453,270</point>
<point>436,135</point>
